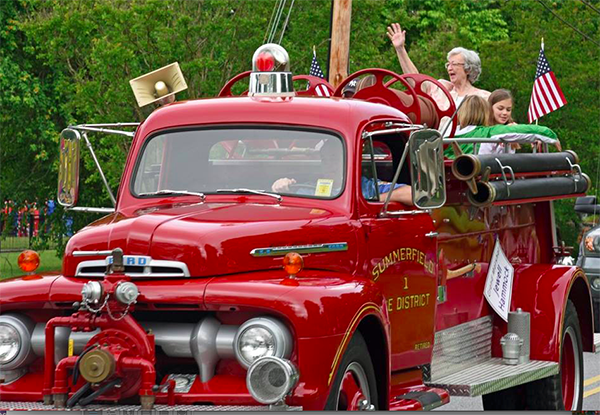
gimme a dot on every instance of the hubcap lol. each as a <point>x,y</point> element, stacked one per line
<point>354,392</point>
<point>570,370</point>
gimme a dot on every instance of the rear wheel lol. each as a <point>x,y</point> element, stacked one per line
<point>355,386</point>
<point>563,391</point>
<point>511,399</point>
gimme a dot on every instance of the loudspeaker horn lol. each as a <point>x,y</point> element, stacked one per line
<point>159,85</point>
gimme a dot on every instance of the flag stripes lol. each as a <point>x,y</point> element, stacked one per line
<point>546,95</point>
<point>323,91</point>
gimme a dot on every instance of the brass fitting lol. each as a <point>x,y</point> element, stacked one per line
<point>97,366</point>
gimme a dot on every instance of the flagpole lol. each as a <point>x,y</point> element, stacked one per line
<point>536,120</point>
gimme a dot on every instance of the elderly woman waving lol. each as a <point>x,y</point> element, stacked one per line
<point>463,66</point>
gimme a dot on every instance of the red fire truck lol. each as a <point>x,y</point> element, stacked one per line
<point>262,251</point>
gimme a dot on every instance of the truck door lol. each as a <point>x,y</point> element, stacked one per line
<point>401,256</point>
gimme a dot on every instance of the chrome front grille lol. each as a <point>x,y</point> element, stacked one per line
<point>153,268</point>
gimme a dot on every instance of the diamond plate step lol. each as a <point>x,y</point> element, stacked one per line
<point>596,342</point>
<point>492,376</point>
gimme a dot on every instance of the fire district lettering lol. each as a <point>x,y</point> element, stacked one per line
<point>407,302</point>
<point>400,255</point>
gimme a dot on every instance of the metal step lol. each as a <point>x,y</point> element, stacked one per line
<point>492,376</point>
<point>596,342</point>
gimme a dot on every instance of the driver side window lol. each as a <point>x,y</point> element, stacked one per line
<point>377,170</point>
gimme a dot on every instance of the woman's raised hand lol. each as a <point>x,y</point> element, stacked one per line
<point>396,35</point>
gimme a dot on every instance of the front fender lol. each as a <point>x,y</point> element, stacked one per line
<point>323,309</point>
<point>543,291</point>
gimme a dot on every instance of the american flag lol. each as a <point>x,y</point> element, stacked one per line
<point>546,95</point>
<point>315,69</point>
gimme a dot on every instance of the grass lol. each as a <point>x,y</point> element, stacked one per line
<point>9,268</point>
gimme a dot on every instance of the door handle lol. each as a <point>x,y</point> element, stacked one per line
<point>432,234</point>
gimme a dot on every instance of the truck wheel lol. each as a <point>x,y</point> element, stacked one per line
<point>563,391</point>
<point>511,399</point>
<point>596,310</point>
<point>355,387</point>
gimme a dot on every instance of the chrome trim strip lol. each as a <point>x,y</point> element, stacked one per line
<point>92,209</point>
<point>301,249</point>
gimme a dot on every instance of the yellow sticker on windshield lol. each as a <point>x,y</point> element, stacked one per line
<point>324,187</point>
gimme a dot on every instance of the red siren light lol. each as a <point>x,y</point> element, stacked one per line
<point>265,62</point>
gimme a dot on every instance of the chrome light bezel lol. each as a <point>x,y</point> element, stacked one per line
<point>281,335</point>
<point>258,373</point>
<point>24,328</point>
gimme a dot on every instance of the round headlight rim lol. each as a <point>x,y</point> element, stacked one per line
<point>291,381</point>
<point>24,325</point>
<point>281,334</point>
<point>20,342</point>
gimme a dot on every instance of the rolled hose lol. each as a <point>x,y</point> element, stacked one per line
<point>77,395</point>
<point>467,166</point>
<point>489,192</point>
<point>102,390</point>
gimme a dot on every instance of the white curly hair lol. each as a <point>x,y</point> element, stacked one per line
<point>472,62</point>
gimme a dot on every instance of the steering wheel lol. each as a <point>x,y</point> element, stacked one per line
<point>418,79</point>
<point>226,90</point>
<point>379,92</point>
<point>316,86</point>
<point>294,188</point>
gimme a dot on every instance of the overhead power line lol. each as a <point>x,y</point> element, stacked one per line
<point>590,6</point>
<point>568,24</point>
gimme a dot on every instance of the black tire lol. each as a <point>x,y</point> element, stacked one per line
<point>547,394</point>
<point>596,310</point>
<point>544,394</point>
<point>355,358</point>
<point>511,399</point>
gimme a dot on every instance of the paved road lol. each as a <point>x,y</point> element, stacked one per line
<point>591,391</point>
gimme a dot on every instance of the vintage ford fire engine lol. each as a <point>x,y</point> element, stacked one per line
<point>262,251</point>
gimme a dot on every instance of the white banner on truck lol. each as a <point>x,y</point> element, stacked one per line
<point>499,282</point>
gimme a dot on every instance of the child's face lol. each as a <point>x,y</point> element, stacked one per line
<point>502,110</point>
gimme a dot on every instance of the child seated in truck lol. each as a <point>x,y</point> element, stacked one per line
<point>473,119</point>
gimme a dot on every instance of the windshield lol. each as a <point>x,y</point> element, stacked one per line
<point>242,160</point>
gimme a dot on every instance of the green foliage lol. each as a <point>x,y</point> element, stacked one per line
<point>64,63</point>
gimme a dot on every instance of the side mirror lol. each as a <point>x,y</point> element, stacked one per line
<point>68,173</point>
<point>587,204</point>
<point>427,169</point>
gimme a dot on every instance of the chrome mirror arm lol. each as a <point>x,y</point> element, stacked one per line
<point>396,176</point>
<point>89,146</point>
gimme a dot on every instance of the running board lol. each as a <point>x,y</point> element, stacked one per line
<point>417,398</point>
<point>493,376</point>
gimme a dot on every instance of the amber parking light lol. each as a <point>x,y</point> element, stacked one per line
<point>28,261</point>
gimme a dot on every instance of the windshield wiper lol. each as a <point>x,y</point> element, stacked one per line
<point>174,192</point>
<point>251,191</point>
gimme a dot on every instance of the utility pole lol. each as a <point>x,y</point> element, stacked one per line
<point>340,41</point>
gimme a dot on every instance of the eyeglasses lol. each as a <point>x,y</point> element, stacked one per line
<point>453,64</point>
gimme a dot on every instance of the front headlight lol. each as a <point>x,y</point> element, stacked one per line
<point>256,342</point>
<point>261,337</point>
<point>10,343</point>
<point>15,341</point>
<point>592,241</point>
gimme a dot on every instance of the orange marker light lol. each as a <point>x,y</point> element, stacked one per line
<point>293,263</point>
<point>28,261</point>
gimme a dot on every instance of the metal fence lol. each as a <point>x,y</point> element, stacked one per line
<point>21,230</point>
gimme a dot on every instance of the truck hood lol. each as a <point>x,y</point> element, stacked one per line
<point>217,238</point>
